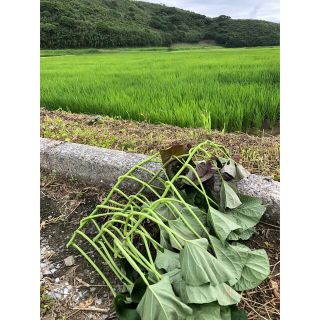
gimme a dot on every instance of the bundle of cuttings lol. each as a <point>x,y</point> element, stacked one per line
<point>169,231</point>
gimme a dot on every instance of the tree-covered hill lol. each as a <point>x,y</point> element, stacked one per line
<point>126,23</point>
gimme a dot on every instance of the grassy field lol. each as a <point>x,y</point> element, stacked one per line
<point>231,89</point>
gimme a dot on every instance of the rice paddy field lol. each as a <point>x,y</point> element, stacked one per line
<point>212,88</point>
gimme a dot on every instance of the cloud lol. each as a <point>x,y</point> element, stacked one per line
<point>238,9</point>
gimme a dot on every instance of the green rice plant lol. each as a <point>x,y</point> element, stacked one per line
<point>206,120</point>
<point>238,87</point>
<point>168,241</point>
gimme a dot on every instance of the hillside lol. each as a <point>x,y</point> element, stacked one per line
<point>126,23</point>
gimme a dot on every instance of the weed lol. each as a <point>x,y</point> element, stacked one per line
<point>206,120</point>
<point>45,301</point>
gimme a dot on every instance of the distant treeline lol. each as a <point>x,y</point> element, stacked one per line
<point>126,23</point>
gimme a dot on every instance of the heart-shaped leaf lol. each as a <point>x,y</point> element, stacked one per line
<point>205,293</point>
<point>249,267</point>
<point>229,198</point>
<point>256,268</point>
<point>226,295</point>
<point>249,213</point>
<point>165,239</point>
<point>231,259</point>
<point>181,228</point>
<point>199,267</point>
<point>167,260</point>
<point>215,312</point>
<point>221,162</point>
<point>160,303</point>
<point>222,223</point>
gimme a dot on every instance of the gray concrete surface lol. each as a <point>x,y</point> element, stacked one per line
<point>267,190</point>
<point>98,166</point>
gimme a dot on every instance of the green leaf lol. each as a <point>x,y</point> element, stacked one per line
<point>249,267</point>
<point>165,239</point>
<point>256,268</point>
<point>241,234</point>
<point>225,313</point>
<point>205,312</point>
<point>222,223</point>
<point>238,314</point>
<point>160,303</point>
<point>229,198</point>
<point>232,313</point>
<point>205,293</point>
<point>152,277</point>
<point>199,267</point>
<point>180,227</point>
<point>238,223</point>
<point>167,260</point>
<point>125,309</point>
<point>231,259</point>
<point>189,194</point>
<point>249,213</point>
<point>166,210</point>
<point>215,312</point>
<point>226,295</point>
<point>241,172</point>
<point>198,212</point>
<point>178,284</point>
<point>176,280</point>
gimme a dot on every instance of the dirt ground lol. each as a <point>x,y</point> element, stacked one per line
<point>77,292</point>
<point>68,292</point>
<point>259,153</point>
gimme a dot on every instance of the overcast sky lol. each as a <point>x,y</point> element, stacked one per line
<point>242,9</point>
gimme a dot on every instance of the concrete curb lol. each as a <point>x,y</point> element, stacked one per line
<point>101,167</point>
